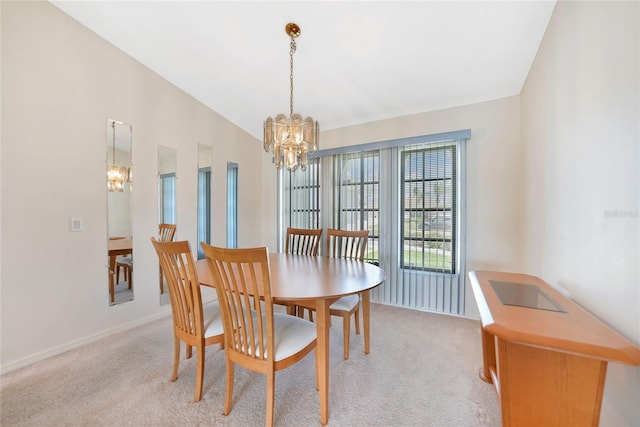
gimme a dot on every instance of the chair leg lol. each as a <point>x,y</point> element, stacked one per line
<point>189,353</point>
<point>199,371</point>
<point>228,399</point>
<point>129,272</point>
<point>356,320</point>
<point>176,358</point>
<point>271,383</point>
<point>346,326</point>
<point>111,287</point>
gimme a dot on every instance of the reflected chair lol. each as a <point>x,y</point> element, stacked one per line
<point>166,233</point>
<point>348,245</point>
<point>255,337</point>
<point>124,263</point>
<point>302,241</point>
<point>113,277</point>
<point>195,325</point>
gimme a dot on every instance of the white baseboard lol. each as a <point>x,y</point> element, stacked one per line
<point>54,351</point>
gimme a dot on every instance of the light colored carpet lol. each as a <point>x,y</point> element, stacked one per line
<point>122,293</point>
<point>422,371</point>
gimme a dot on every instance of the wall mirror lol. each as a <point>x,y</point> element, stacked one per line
<point>167,176</point>
<point>205,157</point>
<point>119,212</point>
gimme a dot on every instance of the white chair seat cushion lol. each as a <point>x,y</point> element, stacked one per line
<point>291,334</point>
<point>125,260</point>
<point>212,319</point>
<point>346,303</point>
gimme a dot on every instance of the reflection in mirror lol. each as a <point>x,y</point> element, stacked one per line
<point>167,168</point>
<point>204,197</point>
<point>119,212</point>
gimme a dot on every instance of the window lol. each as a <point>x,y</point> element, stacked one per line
<point>168,198</point>
<point>356,195</point>
<point>428,207</point>
<point>303,190</point>
<point>204,208</point>
<point>232,205</point>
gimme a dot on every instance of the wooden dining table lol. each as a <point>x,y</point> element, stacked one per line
<point>117,247</point>
<point>317,282</point>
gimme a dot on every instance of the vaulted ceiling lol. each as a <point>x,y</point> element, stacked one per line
<point>356,61</point>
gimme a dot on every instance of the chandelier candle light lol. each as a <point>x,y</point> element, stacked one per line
<point>291,138</point>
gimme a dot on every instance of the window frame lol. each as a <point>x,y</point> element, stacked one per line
<point>452,196</point>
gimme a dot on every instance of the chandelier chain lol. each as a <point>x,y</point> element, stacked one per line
<point>291,52</point>
<point>113,126</point>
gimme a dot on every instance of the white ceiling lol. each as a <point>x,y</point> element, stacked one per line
<point>356,61</point>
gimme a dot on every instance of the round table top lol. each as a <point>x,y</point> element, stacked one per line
<point>299,277</point>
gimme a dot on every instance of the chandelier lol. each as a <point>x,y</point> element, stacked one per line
<point>291,138</point>
<point>116,175</point>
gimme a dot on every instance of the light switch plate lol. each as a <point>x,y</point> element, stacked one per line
<point>76,223</point>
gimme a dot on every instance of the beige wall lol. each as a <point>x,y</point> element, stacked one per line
<point>60,84</point>
<point>580,118</point>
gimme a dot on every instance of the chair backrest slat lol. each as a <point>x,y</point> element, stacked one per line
<point>303,241</point>
<point>347,244</point>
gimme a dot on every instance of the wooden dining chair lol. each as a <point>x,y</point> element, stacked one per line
<point>255,337</point>
<point>349,245</point>
<point>302,241</point>
<point>166,233</point>
<point>193,324</point>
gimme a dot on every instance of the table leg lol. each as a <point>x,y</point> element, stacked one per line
<point>366,317</point>
<point>322,328</point>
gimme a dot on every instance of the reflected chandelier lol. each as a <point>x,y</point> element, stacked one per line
<point>116,175</point>
<point>291,138</point>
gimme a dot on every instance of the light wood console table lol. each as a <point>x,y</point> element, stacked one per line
<point>546,356</point>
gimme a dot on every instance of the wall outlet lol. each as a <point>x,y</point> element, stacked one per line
<point>76,223</point>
